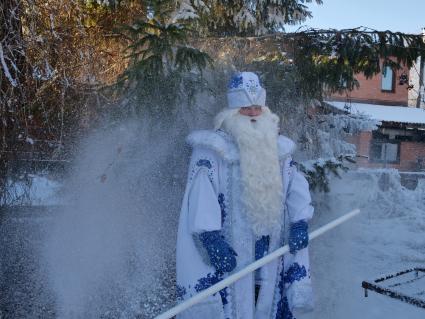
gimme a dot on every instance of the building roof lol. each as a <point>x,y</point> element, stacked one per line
<point>400,114</point>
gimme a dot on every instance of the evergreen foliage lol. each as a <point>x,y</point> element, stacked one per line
<point>58,56</point>
<point>324,62</point>
<point>160,61</point>
<point>318,173</point>
<point>224,18</point>
<point>331,59</point>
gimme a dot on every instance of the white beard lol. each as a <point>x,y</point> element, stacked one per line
<point>261,180</point>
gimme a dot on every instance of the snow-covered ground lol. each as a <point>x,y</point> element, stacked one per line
<point>386,238</point>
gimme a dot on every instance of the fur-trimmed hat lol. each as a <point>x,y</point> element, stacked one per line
<point>245,90</point>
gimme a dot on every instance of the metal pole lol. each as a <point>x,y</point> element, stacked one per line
<point>250,268</point>
<point>421,75</point>
<point>385,155</point>
<point>421,81</point>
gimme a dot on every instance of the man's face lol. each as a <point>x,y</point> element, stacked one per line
<point>253,110</point>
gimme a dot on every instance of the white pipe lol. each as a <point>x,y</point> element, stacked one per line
<point>248,269</point>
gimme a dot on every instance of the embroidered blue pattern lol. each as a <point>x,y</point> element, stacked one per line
<point>180,291</point>
<point>208,281</point>
<point>224,294</point>
<point>283,311</point>
<point>204,162</point>
<point>261,247</point>
<point>252,87</point>
<point>221,254</point>
<point>295,273</point>
<point>222,207</point>
<point>236,82</point>
<point>298,236</point>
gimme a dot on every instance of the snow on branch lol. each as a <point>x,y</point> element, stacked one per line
<point>348,123</point>
<point>317,172</point>
<point>6,71</point>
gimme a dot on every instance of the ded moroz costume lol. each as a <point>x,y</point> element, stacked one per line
<point>244,198</point>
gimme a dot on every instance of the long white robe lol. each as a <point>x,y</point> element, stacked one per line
<point>212,202</point>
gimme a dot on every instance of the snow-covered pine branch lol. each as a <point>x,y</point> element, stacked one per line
<point>6,71</point>
<point>184,11</point>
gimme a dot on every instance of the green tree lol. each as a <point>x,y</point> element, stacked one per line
<point>161,62</point>
<point>329,60</point>
<point>242,18</point>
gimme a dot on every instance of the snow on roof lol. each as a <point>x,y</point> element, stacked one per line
<point>401,114</point>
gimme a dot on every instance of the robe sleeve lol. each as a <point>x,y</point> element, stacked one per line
<point>298,201</point>
<point>204,212</point>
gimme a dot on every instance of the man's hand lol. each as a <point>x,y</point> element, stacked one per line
<point>298,236</point>
<point>221,255</point>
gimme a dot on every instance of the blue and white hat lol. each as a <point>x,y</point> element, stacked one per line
<point>245,90</point>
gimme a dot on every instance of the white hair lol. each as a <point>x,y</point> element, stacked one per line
<point>260,175</point>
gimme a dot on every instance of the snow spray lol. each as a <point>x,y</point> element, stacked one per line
<point>111,251</point>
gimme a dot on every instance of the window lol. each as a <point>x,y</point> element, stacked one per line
<point>387,81</point>
<point>342,83</point>
<point>384,152</point>
<point>404,138</point>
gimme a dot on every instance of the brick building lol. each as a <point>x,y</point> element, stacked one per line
<point>399,141</point>
<point>387,88</point>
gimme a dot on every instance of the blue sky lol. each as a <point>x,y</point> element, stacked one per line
<point>406,15</point>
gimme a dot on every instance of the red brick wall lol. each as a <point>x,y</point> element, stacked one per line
<point>362,142</point>
<point>370,91</point>
<point>409,152</point>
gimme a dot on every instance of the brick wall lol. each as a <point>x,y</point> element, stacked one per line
<point>370,91</point>
<point>362,142</point>
<point>409,152</point>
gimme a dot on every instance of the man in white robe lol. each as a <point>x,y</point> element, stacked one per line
<point>244,198</point>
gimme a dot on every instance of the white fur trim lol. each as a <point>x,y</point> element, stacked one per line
<point>222,115</point>
<point>241,98</point>
<point>214,141</point>
<point>286,146</point>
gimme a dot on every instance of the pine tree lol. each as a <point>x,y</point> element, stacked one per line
<point>243,18</point>
<point>160,60</point>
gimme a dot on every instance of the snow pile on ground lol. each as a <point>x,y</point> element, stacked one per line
<point>44,191</point>
<point>386,238</point>
<point>105,254</point>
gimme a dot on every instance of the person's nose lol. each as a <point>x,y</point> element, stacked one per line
<point>252,111</point>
